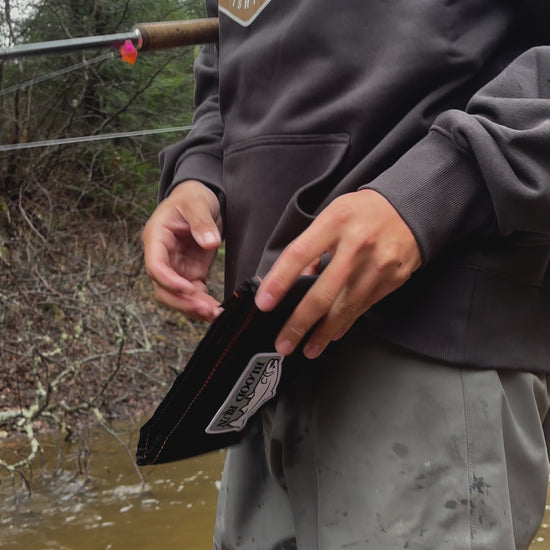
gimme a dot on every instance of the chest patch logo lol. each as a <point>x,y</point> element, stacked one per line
<point>242,11</point>
<point>256,385</point>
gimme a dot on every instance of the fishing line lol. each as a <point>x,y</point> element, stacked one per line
<point>54,74</point>
<point>83,139</point>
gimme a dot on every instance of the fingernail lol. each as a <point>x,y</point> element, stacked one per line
<point>210,238</point>
<point>312,351</point>
<point>265,301</point>
<point>284,347</point>
<point>339,334</point>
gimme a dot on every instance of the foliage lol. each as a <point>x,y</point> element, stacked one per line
<point>104,95</point>
<point>82,338</point>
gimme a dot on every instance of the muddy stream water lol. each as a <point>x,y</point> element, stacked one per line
<point>112,510</point>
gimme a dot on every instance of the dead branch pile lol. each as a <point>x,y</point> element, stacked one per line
<point>82,338</point>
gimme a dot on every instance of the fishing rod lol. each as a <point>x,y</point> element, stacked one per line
<point>142,37</point>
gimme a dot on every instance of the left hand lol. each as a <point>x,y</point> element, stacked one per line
<point>373,253</point>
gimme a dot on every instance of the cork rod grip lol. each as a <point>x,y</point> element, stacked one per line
<point>172,34</point>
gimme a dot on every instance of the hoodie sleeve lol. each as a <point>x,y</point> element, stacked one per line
<point>482,170</point>
<point>199,156</point>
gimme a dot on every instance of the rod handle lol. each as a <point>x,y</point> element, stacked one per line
<point>172,34</point>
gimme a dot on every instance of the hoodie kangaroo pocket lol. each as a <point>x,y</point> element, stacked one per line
<point>263,178</point>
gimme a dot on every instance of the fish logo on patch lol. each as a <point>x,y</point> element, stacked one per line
<point>256,385</point>
<point>242,11</point>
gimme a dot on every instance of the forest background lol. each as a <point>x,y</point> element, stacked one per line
<point>83,344</point>
<point>82,341</point>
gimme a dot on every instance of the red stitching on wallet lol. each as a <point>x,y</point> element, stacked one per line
<point>242,328</point>
<point>208,336</point>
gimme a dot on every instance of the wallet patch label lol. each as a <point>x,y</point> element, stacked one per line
<point>242,11</point>
<point>256,385</point>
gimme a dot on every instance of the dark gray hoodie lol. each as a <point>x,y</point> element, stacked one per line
<point>441,106</point>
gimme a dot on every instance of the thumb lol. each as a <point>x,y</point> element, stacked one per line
<point>200,207</point>
<point>207,237</point>
<point>203,226</point>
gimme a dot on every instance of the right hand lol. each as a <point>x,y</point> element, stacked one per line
<point>180,243</point>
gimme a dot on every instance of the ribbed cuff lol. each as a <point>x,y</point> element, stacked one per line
<point>203,167</point>
<point>438,191</point>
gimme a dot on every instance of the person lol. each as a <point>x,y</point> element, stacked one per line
<point>400,152</point>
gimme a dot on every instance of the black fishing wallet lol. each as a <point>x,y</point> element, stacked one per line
<point>232,373</point>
